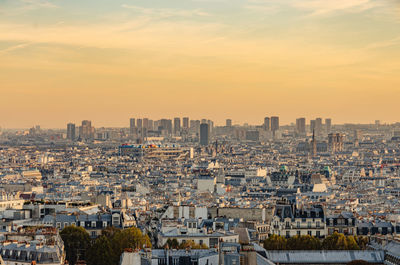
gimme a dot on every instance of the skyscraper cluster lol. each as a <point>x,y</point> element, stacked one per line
<point>271,124</point>
<point>319,128</point>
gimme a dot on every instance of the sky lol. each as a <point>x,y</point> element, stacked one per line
<point>109,60</point>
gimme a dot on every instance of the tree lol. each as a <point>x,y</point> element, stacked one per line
<point>110,231</point>
<point>128,238</point>
<point>304,242</point>
<point>76,242</point>
<point>362,242</point>
<point>275,242</point>
<point>172,243</point>
<point>338,241</point>
<point>192,245</point>
<point>101,252</point>
<point>352,244</point>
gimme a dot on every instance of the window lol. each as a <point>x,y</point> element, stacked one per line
<point>82,224</point>
<point>298,233</point>
<point>309,233</point>
<point>298,224</point>
<point>104,224</point>
<point>318,234</point>
<point>93,224</point>
<point>308,224</point>
<point>73,223</point>
<point>287,224</point>
<point>94,234</point>
<point>65,224</point>
<point>201,242</point>
<point>58,225</point>
<point>318,224</point>
<point>287,233</point>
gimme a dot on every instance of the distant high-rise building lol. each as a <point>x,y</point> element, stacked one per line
<point>228,123</point>
<point>177,126</point>
<point>318,126</point>
<point>166,125</point>
<point>210,125</point>
<point>195,126</point>
<point>71,131</point>
<point>139,127</point>
<point>328,125</point>
<point>274,124</point>
<point>301,125</point>
<point>267,124</point>
<point>204,134</point>
<point>145,123</point>
<point>150,126</point>
<point>86,131</point>
<point>139,124</point>
<point>132,125</point>
<point>185,123</point>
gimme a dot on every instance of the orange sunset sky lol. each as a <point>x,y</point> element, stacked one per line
<point>68,60</point>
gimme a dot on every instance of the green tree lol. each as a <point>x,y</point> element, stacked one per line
<point>76,242</point>
<point>101,252</point>
<point>275,242</point>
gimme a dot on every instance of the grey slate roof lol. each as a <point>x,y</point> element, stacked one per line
<point>325,256</point>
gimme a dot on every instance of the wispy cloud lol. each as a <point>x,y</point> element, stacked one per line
<point>323,7</point>
<point>36,4</point>
<point>316,7</point>
<point>166,12</point>
<point>14,47</point>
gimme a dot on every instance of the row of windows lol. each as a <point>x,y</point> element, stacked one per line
<point>298,224</point>
<point>317,233</point>
<point>82,224</point>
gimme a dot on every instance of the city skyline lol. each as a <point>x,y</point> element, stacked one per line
<point>308,122</point>
<point>127,124</point>
<point>104,61</point>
